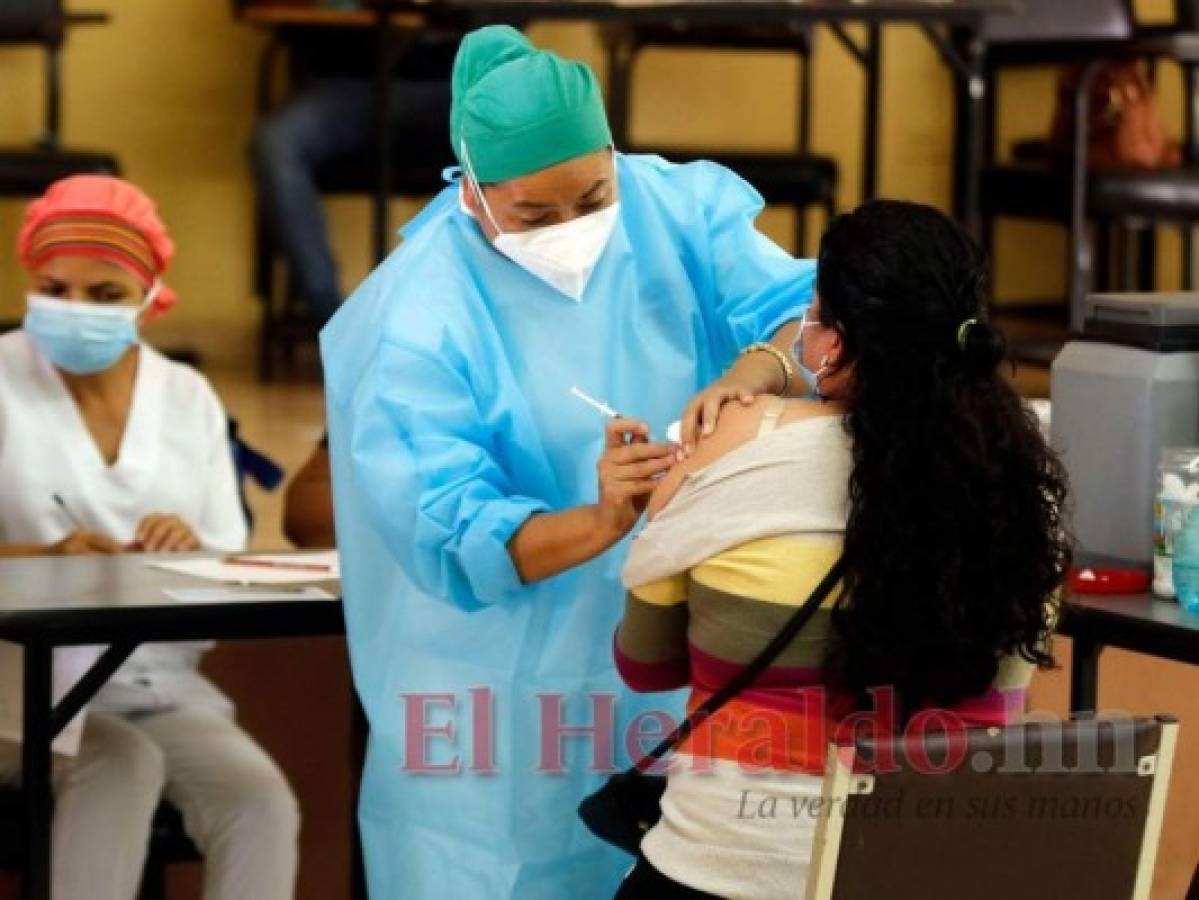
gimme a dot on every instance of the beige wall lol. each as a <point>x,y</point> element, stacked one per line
<point>169,88</point>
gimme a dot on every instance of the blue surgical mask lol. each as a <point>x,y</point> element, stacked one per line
<point>811,379</point>
<point>82,338</point>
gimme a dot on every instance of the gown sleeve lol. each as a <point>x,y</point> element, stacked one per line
<point>759,287</point>
<point>436,481</point>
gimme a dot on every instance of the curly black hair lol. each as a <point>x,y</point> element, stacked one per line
<point>955,540</point>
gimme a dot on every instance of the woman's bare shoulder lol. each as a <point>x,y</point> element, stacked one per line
<point>738,425</point>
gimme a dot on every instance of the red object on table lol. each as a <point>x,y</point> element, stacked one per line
<point>1109,581</point>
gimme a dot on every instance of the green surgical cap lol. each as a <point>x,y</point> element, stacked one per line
<point>518,109</point>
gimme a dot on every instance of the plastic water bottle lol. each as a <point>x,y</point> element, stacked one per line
<point>1177,495</point>
<point>1186,563</point>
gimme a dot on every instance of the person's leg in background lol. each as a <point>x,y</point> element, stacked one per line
<point>330,119</point>
<point>237,806</point>
<point>104,802</point>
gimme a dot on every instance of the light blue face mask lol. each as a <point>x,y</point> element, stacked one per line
<point>82,338</point>
<point>811,379</point>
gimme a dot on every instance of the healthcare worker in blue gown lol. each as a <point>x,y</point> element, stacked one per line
<point>481,509</point>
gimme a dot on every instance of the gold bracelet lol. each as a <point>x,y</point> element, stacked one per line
<point>779,356</point>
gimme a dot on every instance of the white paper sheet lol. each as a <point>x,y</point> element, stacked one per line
<point>232,595</point>
<point>216,569</point>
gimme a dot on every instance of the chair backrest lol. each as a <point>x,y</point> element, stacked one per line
<point>44,22</point>
<point>1040,21</point>
<point>31,22</point>
<point>251,465</point>
<point>1040,811</point>
<point>1186,13</point>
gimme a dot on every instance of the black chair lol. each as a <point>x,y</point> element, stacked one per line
<point>252,467</point>
<point>286,321</point>
<point>168,843</point>
<point>1119,206</point>
<point>28,170</point>
<point>799,179</point>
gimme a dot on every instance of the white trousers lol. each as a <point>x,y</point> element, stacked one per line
<point>237,807</point>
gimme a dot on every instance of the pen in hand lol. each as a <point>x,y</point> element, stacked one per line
<point>80,540</point>
<point>66,511</point>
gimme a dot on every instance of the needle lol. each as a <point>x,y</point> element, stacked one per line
<point>602,408</point>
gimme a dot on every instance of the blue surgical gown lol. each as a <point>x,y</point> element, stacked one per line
<point>448,375</point>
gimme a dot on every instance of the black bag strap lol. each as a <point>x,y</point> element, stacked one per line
<point>746,676</point>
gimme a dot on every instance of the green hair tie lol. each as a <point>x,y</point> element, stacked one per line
<point>964,332</point>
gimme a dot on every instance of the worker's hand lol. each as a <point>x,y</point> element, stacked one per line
<point>80,542</point>
<point>751,376</point>
<point>164,534</point>
<point>629,470</point>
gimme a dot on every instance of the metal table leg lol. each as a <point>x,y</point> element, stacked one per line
<point>965,55</point>
<point>868,55</point>
<point>1190,149</point>
<point>359,730</point>
<point>1084,676</point>
<point>974,132</point>
<point>392,41</point>
<point>620,48</point>
<point>379,211</point>
<point>873,71</point>
<point>35,771</point>
<point>1082,263</point>
<point>42,723</point>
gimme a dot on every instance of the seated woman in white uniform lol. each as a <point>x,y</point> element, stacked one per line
<point>107,446</point>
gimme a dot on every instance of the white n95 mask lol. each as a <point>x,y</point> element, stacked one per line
<point>562,255</point>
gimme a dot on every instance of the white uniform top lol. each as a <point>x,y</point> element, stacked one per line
<point>174,458</point>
